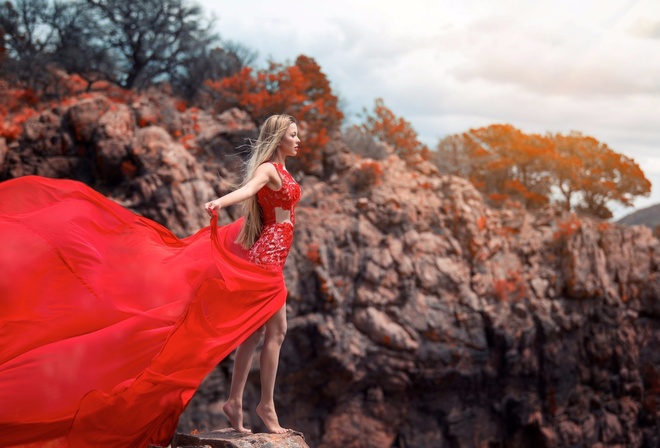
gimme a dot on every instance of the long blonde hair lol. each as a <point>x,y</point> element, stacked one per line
<point>272,131</point>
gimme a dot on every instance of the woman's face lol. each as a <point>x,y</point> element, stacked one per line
<point>290,142</point>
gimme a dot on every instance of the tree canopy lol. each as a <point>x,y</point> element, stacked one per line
<point>576,171</point>
<point>300,89</point>
<point>393,130</point>
<point>130,43</point>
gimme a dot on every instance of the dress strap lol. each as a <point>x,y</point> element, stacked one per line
<point>279,167</point>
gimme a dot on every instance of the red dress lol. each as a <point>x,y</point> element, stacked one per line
<point>109,322</point>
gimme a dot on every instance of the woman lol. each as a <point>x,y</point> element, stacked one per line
<point>268,195</point>
<point>109,322</point>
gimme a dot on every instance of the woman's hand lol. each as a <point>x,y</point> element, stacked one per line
<point>212,207</point>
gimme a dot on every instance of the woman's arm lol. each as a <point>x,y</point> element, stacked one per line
<point>264,174</point>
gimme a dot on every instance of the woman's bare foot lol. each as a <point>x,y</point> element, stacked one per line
<point>267,413</point>
<point>234,411</point>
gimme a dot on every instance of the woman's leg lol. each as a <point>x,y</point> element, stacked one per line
<point>233,408</point>
<point>270,355</point>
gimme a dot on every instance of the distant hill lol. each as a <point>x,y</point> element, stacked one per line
<point>649,216</point>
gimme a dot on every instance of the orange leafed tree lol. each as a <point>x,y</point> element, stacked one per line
<point>578,172</point>
<point>510,164</point>
<point>600,174</point>
<point>395,131</point>
<point>566,162</point>
<point>301,90</point>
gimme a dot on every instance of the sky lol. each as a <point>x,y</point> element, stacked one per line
<point>447,66</point>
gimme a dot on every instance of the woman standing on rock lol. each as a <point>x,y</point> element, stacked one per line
<point>268,194</point>
<point>110,322</point>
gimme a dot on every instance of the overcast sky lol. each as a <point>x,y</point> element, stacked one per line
<point>451,65</point>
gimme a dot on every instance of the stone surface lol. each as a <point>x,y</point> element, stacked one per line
<point>228,438</point>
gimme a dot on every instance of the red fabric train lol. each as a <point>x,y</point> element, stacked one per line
<point>108,321</point>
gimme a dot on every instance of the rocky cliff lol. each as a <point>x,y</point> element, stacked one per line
<point>418,316</point>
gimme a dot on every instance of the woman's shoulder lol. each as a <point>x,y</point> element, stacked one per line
<point>273,167</point>
<point>268,167</point>
<point>271,171</point>
<point>270,163</point>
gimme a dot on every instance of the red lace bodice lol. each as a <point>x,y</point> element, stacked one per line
<point>284,198</point>
<point>274,242</point>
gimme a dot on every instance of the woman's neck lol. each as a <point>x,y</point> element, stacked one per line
<point>278,159</point>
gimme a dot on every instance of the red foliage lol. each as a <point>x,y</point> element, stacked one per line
<point>498,198</point>
<point>371,169</point>
<point>567,227</point>
<point>505,163</point>
<point>128,169</point>
<point>502,289</point>
<point>395,131</point>
<point>16,106</point>
<point>513,286</point>
<point>313,253</point>
<point>508,164</point>
<point>187,141</point>
<point>368,174</point>
<point>181,106</point>
<point>481,222</point>
<point>585,165</point>
<point>301,90</point>
<point>10,131</point>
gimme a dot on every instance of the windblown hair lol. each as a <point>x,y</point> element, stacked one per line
<point>272,131</point>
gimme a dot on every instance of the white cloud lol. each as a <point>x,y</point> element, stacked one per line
<point>646,28</point>
<point>565,60</point>
<point>450,65</point>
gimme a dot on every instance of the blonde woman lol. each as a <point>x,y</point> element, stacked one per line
<point>110,322</point>
<point>268,194</point>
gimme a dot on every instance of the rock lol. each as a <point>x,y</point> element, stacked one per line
<point>45,137</point>
<point>117,123</point>
<point>352,425</point>
<point>611,429</point>
<point>44,132</point>
<point>570,433</point>
<point>228,438</point>
<point>149,147</point>
<point>383,330</point>
<point>82,117</point>
<point>113,137</point>
<point>3,153</point>
<point>235,120</point>
<point>111,161</point>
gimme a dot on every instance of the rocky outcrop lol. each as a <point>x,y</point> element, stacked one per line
<point>418,315</point>
<point>147,155</point>
<point>231,439</point>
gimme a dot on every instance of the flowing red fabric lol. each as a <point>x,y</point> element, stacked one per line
<point>108,321</point>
